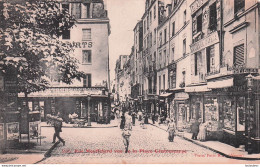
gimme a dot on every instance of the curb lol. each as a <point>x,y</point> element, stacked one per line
<point>201,145</point>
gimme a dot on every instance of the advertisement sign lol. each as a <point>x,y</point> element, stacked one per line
<point>35,129</point>
<point>1,131</point>
<point>12,131</point>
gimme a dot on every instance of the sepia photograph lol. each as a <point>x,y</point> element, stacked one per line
<point>129,82</point>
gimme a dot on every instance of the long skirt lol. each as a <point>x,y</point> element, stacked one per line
<point>171,135</point>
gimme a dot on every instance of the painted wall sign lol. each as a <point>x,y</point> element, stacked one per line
<point>85,44</point>
<point>203,43</point>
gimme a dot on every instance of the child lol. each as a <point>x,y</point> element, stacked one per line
<point>126,137</point>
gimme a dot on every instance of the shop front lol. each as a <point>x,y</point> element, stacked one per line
<point>182,108</point>
<point>91,104</point>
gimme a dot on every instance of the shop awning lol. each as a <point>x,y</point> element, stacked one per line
<point>199,88</point>
<point>221,83</point>
<point>166,94</point>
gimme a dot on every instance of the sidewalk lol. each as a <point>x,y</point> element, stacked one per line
<point>31,154</point>
<point>39,150</point>
<point>216,146</point>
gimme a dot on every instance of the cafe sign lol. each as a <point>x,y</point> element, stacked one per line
<point>203,43</point>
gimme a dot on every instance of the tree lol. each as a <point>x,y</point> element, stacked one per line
<point>29,42</point>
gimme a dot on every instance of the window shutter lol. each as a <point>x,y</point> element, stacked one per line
<point>76,10</point>
<point>239,55</point>
<point>89,80</point>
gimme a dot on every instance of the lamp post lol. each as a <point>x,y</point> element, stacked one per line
<point>89,116</point>
<point>250,111</point>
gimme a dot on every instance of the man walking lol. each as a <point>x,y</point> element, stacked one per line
<point>57,129</point>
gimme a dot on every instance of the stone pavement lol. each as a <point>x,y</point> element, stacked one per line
<point>42,148</point>
<point>216,146</point>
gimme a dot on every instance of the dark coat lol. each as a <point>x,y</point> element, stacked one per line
<point>195,127</point>
<point>58,126</point>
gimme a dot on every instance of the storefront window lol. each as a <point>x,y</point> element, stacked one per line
<point>228,113</point>
<point>211,109</point>
<point>196,108</point>
<point>241,114</point>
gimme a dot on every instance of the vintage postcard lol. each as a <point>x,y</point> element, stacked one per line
<point>129,82</point>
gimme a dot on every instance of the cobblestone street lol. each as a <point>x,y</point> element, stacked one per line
<point>104,145</point>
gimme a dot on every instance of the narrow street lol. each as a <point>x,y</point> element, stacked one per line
<point>104,145</point>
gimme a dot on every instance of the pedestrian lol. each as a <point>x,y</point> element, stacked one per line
<point>202,132</point>
<point>122,123</point>
<point>195,129</point>
<point>126,138</point>
<point>133,118</point>
<point>140,115</point>
<point>128,121</point>
<point>153,118</point>
<point>171,131</point>
<point>58,129</point>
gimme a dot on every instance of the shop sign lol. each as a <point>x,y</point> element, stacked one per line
<point>1,131</point>
<point>242,70</point>
<point>203,43</point>
<point>197,5</point>
<point>85,44</point>
<point>65,92</point>
<point>181,95</point>
<point>12,131</point>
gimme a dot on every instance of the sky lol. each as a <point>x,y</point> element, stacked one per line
<point>123,15</point>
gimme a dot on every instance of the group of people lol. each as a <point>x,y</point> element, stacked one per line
<point>199,130</point>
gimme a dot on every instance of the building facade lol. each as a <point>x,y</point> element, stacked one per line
<point>89,98</point>
<point>201,61</point>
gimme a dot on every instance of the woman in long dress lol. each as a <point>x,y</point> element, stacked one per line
<point>171,130</point>
<point>202,132</point>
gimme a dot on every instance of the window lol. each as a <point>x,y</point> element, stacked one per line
<point>144,43</point>
<point>151,39</point>
<point>76,10</point>
<point>86,56</point>
<point>239,55</point>
<point>160,60</point>
<point>65,7</point>
<point>164,58</point>
<point>154,41</point>
<point>147,22</point>
<point>87,81</point>
<point>184,47</point>
<point>160,84</point>
<point>210,58</point>
<point>199,23</point>
<point>239,6</point>
<point>85,10</point>
<point>144,26</point>
<point>150,17</point>
<point>196,64</point>
<point>173,54</point>
<point>154,11</point>
<point>86,34</point>
<point>154,56</point>
<point>160,39</point>
<point>213,16</point>
<point>66,34</point>
<point>184,17</point>
<point>173,28</point>
<point>163,81</point>
<point>165,35</point>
